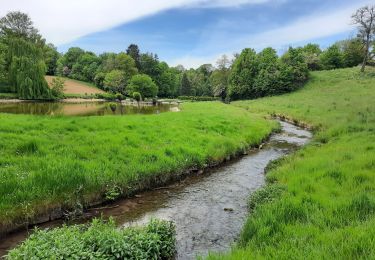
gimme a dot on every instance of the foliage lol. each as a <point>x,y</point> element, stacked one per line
<point>242,77</point>
<point>27,70</point>
<point>352,51</point>
<point>143,84</point>
<point>257,75</point>
<point>134,52</point>
<point>19,25</point>
<point>8,96</point>
<point>115,81</point>
<point>57,87</point>
<point>100,152</point>
<point>327,208</point>
<point>137,96</point>
<point>332,58</point>
<point>50,56</point>
<point>185,88</point>
<point>100,240</point>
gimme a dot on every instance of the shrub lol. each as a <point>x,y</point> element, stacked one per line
<point>137,96</point>
<point>100,240</point>
<point>57,87</point>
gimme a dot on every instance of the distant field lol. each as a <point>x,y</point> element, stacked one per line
<point>77,87</point>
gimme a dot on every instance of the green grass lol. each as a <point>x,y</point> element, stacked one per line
<point>52,162</point>
<point>100,240</point>
<point>320,202</point>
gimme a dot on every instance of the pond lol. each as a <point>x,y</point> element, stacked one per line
<point>99,108</point>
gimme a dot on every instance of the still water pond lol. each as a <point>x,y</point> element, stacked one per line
<point>83,109</point>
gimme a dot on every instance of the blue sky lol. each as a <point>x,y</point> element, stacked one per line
<point>197,31</point>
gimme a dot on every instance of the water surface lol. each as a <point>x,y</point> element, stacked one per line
<point>208,209</point>
<point>83,108</point>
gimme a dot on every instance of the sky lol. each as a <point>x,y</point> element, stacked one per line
<point>189,32</point>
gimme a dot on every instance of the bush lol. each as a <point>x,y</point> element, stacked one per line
<point>57,87</point>
<point>8,96</point>
<point>137,96</point>
<point>100,240</point>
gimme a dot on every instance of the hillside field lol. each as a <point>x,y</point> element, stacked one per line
<point>77,87</point>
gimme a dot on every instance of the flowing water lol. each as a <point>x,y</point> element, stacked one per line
<point>209,209</point>
<point>82,108</point>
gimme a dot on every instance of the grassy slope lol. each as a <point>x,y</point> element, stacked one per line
<point>328,208</point>
<point>52,161</point>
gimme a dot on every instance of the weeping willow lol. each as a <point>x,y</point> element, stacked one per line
<point>27,69</point>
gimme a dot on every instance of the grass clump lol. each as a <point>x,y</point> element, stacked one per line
<point>45,160</point>
<point>327,210</point>
<point>100,240</point>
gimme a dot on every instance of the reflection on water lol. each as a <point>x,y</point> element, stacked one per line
<point>82,109</point>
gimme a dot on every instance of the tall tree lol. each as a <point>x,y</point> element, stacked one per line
<point>19,25</point>
<point>27,70</point>
<point>243,74</point>
<point>185,89</point>
<point>133,51</point>
<point>365,19</point>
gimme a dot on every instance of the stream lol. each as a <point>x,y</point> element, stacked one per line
<point>209,209</point>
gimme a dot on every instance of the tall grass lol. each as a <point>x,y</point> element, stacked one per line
<point>60,162</point>
<point>327,210</point>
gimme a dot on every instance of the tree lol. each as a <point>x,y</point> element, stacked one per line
<point>243,74</point>
<point>115,81</point>
<point>27,69</point>
<point>185,88</point>
<point>149,65</point>
<point>3,63</point>
<point>126,64</point>
<point>51,56</point>
<point>365,19</point>
<point>352,51</point>
<point>19,25</point>
<point>312,53</point>
<point>332,58</point>
<point>144,85</point>
<point>133,51</point>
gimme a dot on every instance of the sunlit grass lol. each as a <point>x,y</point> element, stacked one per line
<point>48,162</point>
<point>327,210</point>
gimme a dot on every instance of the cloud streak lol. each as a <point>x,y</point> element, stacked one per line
<point>62,21</point>
<point>308,28</point>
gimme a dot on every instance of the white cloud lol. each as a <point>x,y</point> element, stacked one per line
<point>309,28</point>
<point>62,21</point>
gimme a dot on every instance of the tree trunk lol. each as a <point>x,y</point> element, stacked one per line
<point>366,54</point>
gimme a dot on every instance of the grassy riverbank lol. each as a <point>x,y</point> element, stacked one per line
<point>319,202</point>
<point>49,163</point>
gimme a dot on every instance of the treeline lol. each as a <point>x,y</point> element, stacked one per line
<point>248,75</point>
<point>25,58</point>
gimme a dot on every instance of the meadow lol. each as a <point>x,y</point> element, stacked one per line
<point>68,163</point>
<point>319,203</point>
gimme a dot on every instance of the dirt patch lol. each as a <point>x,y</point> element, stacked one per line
<point>76,87</point>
